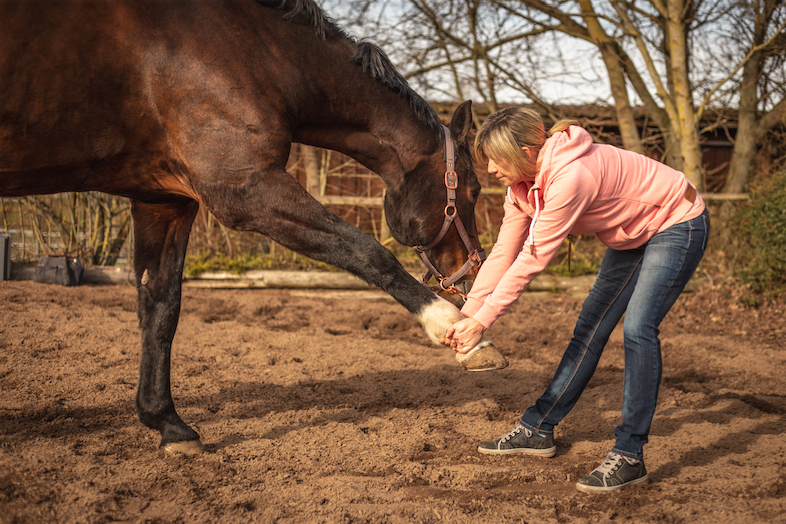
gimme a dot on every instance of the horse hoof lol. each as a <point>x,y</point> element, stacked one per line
<point>483,357</point>
<point>185,447</point>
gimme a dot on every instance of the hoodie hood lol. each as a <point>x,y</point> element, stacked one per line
<point>557,152</point>
<point>560,150</point>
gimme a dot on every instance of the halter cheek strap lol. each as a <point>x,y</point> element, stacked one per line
<point>475,257</point>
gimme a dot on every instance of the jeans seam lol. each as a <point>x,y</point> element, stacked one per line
<point>705,222</point>
<point>586,346</point>
<point>692,230</point>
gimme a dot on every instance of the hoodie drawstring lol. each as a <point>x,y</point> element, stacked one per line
<point>532,224</point>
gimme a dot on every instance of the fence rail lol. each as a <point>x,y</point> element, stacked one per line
<point>97,226</point>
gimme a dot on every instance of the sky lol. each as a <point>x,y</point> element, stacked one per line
<point>587,84</point>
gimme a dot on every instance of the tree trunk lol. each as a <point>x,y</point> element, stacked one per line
<point>686,126</point>
<point>631,140</point>
<point>672,150</point>
<point>748,133</point>
<point>751,127</point>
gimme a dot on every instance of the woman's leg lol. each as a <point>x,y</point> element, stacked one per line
<point>599,315</point>
<point>670,259</point>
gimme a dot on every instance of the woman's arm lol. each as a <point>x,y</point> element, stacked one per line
<point>566,198</point>
<point>512,233</point>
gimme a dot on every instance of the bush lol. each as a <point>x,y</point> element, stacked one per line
<point>760,240</point>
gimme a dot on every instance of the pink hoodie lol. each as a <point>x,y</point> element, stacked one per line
<point>582,188</point>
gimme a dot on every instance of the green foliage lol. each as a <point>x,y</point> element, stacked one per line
<point>584,257</point>
<point>760,240</point>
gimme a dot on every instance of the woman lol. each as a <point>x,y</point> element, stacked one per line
<point>655,226</point>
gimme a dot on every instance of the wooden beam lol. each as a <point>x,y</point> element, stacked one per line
<point>725,197</point>
<point>338,200</point>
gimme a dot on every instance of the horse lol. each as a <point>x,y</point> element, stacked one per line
<point>181,103</point>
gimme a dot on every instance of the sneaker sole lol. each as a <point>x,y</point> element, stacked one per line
<point>584,488</point>
<point>547,453</point>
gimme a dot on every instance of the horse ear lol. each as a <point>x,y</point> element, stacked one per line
<point>461,124</point>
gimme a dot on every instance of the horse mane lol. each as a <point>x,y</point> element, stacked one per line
<point>375,62</point>
<point>368,56</point>
<point>324,26</point>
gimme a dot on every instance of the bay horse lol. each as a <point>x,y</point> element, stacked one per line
<point>177,103</point>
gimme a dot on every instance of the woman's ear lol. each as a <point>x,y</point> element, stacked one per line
<point>530,153</point>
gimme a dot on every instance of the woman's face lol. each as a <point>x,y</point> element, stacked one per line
<point>508,175</point>
<point>504,172</point>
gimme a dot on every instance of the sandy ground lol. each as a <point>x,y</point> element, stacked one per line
<point>333,407</point>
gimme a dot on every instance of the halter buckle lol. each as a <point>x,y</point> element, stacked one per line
<point>474,258</point>
<point>451,180</point>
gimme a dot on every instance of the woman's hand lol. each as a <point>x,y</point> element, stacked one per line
<point>463,335</point>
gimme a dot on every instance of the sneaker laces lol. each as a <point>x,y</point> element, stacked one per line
<point>515,431</point>
<point>610,465</point>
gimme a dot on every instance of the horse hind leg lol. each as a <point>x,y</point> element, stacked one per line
<point>161,234</point>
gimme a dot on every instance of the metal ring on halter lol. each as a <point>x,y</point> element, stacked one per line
<point>451,289</point>
<point>453,215</point>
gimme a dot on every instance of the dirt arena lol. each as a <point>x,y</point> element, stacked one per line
<point>325,406</point>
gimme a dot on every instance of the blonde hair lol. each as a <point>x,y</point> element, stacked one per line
<point>562,125</point>
<point>504,133</point>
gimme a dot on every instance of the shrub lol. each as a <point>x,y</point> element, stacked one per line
<point>760,239</point>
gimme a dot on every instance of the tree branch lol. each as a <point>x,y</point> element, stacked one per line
<point>645,54</point>
<point>707,98</point>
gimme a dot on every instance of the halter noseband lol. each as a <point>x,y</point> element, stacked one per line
<point>475,257</point>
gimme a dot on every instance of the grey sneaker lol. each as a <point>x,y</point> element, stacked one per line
<point>520,440</point>
<point>615,473</point>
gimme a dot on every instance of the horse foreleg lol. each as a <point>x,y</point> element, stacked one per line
<point>160,238</point>
<point>285,212</point>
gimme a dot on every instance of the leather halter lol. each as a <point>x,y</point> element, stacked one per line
<point>475,257</point>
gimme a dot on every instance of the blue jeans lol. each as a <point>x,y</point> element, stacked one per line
<point>644,283</point>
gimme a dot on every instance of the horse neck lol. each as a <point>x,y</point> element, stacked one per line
<point>372,124</point>
<point>389,150</point>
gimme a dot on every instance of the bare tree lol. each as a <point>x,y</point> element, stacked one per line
<point>664,52</point>
<point>659,32</point>
<point>756,44</point>
<point>461,49</point>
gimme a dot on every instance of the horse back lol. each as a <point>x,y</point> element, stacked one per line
<point>137,98</point>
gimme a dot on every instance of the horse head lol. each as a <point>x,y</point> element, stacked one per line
<point>436,215</point>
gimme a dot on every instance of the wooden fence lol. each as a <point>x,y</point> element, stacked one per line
<point>97,226</point>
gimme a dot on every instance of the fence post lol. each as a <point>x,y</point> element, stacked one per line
<point>384,230</point>
<point>5,257</point>
<point>312,168</point>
